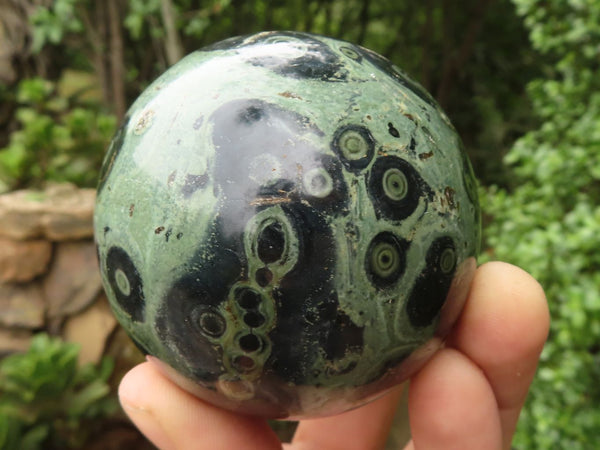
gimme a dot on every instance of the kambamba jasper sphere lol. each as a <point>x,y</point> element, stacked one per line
<point>287,224</point>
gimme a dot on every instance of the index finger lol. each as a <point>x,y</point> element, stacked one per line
<point>174,419</point>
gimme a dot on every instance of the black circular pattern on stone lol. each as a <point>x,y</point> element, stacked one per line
<point>395,187</point>
<point>355,146</point>
<point>248,298</point>
<point>350,52</point>
<point>126,283</point>
<point>324,185</point>
<point>318,183</point>
<point>395,184</point>
<point>211,323</point>
<point>432,286</point>
<point>254,319</point>
<point>244,363</point>
<point>447,260</point>
<point>385,260</point>
<point>250,343</point>
<point>271,243</point>
<point>442,255</point>
<point>263,276</point>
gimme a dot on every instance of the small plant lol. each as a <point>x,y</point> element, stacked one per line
<point>47,400</point>
<point>58,137</point>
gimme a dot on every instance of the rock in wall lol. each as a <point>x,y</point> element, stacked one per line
<point>49,277</point>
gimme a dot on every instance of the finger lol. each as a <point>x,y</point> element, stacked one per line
<point>452,406</point>
<point>174,419</point>
<point>364,428</point>
<point>502,329</point>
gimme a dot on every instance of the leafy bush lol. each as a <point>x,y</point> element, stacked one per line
<point>45,397</point>
<point>50,24</point>
<point>60,138</point>
<point>548,221</point>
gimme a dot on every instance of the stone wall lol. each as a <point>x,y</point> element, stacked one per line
<point>49,277</point>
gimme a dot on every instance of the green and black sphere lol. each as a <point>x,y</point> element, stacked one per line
<point>287,223</point>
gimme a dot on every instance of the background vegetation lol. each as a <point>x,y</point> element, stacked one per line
<point>47,401</point>
<point>520,80</point>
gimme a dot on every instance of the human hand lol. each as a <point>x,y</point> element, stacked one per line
<point>468,396</point>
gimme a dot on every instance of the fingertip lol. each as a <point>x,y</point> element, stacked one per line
<point>506,319</point>
<point>136,405</point>
<point>516,283</point>
<point>174,419</point>
<point>129,388</point>
<point>452,406</point>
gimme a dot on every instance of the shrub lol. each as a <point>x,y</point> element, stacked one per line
<point>47,400</point>
<point>59,137</point>
<point>548,221</point>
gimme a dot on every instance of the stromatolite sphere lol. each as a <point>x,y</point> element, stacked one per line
<point>287,223</point>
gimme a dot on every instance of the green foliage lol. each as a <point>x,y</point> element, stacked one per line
<point>138,14</point>
<point>59,138</point>
<point>45,397</point>
<point>52,23</point>
<point>548,221</point>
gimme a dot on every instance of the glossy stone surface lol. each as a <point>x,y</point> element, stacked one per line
<point>287,223</point>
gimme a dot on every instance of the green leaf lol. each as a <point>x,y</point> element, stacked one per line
<point>45,396</point>
<point>82,400</point>
<point>35,437</point>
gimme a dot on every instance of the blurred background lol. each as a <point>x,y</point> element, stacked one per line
<point>520,80</point>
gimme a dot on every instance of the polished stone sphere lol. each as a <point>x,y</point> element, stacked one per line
<point>287,224</point>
